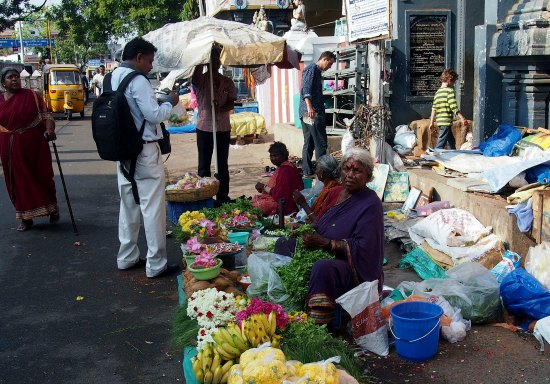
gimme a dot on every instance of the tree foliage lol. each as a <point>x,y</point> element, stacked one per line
<point>14,10</point>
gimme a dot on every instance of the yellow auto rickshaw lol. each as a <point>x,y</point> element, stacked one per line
<point>63,89</point>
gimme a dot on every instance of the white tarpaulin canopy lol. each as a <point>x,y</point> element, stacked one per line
<point>184,45</point>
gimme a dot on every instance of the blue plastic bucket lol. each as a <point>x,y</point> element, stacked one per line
<point>240,238</point>
<point>416,329</point>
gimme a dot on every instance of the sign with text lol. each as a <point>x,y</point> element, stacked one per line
<point>427,53</point>
<point>10,43</point>
<point>368,19</point>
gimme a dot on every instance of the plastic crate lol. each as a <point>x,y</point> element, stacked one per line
<point>174,209</point>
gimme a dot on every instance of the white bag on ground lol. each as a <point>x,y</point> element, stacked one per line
<point>368,326</point>
<point>347,141</point>
<point>404,140</point>
<point>542,331</point>
<point>537,263</point>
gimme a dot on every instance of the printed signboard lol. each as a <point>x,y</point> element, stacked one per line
<point>368,19</point>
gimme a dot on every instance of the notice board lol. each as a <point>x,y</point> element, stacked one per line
<point>368,19</point>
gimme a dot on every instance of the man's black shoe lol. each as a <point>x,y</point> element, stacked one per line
<point>169,271</point>
<point>139,264</point>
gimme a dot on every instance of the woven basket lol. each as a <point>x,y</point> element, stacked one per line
<point>187,195</point>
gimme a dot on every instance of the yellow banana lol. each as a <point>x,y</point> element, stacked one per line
<point>239,343</point>
<point>217,375</point>
<point>200,375</point>
<point>207,357</point>
<point>264,322</point>
<point>224,378</point>
<point>276,341</point>
<point>224,355</point>
<point>208,377</point>
<point>217,336</point>
<point>226,336</point>
<point>216,361</point>
<point>231,350</point>
<point>227,366</point>
<point>265,338</point>
<point>272,320</point>
<point>196,364</point>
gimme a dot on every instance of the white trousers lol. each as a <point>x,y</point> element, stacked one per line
<point>150,181</point>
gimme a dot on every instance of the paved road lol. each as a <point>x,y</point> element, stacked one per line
<point>119,331</point>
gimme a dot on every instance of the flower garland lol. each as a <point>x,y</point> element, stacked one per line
<point>211,308</point>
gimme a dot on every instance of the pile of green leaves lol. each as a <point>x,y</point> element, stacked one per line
<point>295,275</point>
<point>184,329</point>
<point>241,204</point>
<point>309,342</point>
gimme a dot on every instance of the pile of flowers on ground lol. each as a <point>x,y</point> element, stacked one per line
<point>239,219</point>
<point>195,224</point>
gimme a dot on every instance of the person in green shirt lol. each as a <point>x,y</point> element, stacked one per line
<point>444,109</point>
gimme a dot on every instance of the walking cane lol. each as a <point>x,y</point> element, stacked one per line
<point>64,187</point>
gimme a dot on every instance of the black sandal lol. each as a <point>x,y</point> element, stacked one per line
<point>25,225</point>
<point>54,218</point>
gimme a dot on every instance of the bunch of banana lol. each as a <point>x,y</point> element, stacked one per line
<point>229,342</point>
<point>259,329</point>
<point>208,368</point>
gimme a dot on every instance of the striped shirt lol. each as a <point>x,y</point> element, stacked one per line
<point>445,106</point>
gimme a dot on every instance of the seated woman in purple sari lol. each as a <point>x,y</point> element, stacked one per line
<point>353,231</point>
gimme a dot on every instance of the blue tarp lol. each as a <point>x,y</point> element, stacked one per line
<point>189,128</point>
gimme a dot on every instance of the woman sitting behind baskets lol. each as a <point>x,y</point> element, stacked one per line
<point>353,231</point>
<point>284,181</point>
<point>327,171</point>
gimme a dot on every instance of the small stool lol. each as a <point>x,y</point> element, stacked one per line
<point>175,209</point>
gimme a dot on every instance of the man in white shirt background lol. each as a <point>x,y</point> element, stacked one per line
<point>97,81</point>
<point>138,56</point>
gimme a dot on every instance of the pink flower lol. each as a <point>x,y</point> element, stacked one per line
<point>193,245</point>
<point>258,306</point>
<point>205,260</point>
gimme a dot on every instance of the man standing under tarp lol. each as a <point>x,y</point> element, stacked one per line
<point>312,111</point>
<point>225,95</point>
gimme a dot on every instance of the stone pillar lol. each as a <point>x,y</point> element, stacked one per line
<point>521,47</point>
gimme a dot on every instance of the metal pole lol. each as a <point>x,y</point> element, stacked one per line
<point>212,103</point>
<point>64,187</point>
<point>21,42</point>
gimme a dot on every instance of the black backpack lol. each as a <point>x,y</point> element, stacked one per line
<point>114,131</point>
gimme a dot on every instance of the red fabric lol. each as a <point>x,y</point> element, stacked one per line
<point>329,200</point>
<point>27,164</point>
<point>285,180</point>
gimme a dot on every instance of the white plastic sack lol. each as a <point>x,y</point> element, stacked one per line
<point>368,326</point>
<point>347,141</point>
<point>451,227</point>
<point>404,140</point>
<point>542,331</point>
<point>537,263</point>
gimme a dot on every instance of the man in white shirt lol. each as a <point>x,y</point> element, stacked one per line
<point>97,81</point>
<point>138,56</point>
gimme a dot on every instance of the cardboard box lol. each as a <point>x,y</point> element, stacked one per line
<point>541,216</point>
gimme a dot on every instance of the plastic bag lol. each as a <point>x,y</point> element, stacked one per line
<point>368,326</point>
<point>510,261</point>
<point>422,263</point>
<point>404,140</point>
<point>470,287</point>
<point>261,267</point>
<point>502,142</point>
<point>522,294</point>
<point>537,263</point>
<point>319,372</point>
<point>347,141</point>
<point>542,331</point>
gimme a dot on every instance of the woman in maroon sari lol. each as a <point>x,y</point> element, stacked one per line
<point>25,129</point>
<point>353,231</point>
<point>280,185</point>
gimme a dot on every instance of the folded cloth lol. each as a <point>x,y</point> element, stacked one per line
<point>524,215</point>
